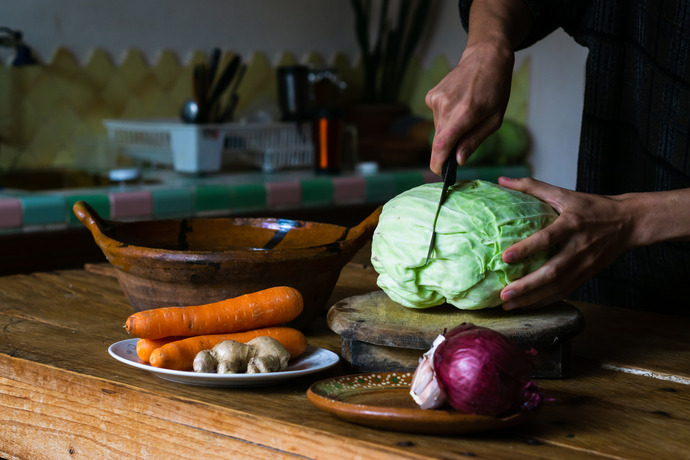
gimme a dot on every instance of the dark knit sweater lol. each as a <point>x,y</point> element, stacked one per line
<point>635,133</point>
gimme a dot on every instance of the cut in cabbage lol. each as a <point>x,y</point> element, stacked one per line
<point>477,222</point>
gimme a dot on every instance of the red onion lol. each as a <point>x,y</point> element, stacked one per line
<point>477,371</point>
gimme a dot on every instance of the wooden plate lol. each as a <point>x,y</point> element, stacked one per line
<point>382,400</point>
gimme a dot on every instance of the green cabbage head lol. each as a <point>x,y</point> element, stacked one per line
<point>478,221</point>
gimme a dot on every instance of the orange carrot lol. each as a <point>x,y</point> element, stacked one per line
<point>146,346</point>
<point>179,355</point>
<point>268,307</point>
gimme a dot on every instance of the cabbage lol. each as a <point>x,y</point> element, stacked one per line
<point>477,222</point>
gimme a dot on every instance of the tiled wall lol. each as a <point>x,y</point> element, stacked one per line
<point>51,114</point>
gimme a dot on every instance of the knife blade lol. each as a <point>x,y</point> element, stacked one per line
<point>449,174</point>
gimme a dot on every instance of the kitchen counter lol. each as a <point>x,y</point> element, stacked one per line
<point>167,194</point>
<point>62,395</point>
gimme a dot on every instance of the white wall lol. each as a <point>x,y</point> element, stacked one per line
<point>185,26</point>
<point>299,26</point>
<point>555,107</point>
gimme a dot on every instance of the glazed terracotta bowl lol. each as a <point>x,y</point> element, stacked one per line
<point>200,260</point>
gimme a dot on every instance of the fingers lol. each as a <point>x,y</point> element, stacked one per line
<point>542,240</point>
<point>461,141</point>
<point>529,292</point>
<point>528,185</point>
<point>556,197</point>
<point>550,283</point>
<point>548,237</point>
<point>443,146</point>
<point>473,138</point>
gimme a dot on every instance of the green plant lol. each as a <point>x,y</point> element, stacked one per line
<point>385,57</point>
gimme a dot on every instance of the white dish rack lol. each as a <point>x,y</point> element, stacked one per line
<point>203,148</point>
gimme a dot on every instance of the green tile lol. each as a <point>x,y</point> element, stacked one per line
<point>406,180</point>
<point>492,173</point>
<point>248,196</point>
<point>317,191</point>
<point>99,202</point>
<point>516,171</point>
<point>381,187</point>
<point>173,202</point>
<point>44,209</point>
<point>213,197</point>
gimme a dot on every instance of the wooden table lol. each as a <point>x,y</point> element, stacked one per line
<point>63,396</point>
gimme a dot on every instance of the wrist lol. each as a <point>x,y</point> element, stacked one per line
<point>497,48</point>
<point>657,216</point>
<point>505,23</point>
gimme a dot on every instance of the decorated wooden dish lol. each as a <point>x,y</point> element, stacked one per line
<point>200,260</point>
<point>382,400</point>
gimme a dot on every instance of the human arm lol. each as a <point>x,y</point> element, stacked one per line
<point>589,234</point>
<point>469,103</point>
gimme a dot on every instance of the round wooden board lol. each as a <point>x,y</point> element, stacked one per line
<point>375,319</point>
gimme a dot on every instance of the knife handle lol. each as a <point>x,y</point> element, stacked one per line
<point>450,170</point>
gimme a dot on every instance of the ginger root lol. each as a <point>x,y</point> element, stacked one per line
<point>259,355</point>
<point>269,356</point>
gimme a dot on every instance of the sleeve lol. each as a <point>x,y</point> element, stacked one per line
<point>547,16</point>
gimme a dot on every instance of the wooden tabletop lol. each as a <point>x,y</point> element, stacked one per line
<point>63,396</point>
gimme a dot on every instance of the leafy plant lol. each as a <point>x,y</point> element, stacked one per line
<point>386,57</point>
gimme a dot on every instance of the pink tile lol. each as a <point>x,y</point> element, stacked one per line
<point>283,193</point>
<point>10,212</point>
<point>131,204</point>
<point>349,189</point>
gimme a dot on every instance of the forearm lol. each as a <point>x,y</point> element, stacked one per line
<point>470,102</point>
<point>502,22</point>
<point>658,216</point>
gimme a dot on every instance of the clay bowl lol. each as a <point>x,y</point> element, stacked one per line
<point>200,260</point>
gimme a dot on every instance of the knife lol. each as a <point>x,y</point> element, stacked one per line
<point>449,174</point>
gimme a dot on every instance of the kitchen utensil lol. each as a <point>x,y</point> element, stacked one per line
<point>200,89</point>
<point>197,110</point>
<point>213,62</point>
<point>200,260</point>
<point>229,111</point>
<point>190,111</point>
<point>449,174</point>
<point>382,400</point>
<point>293,92</point>
<point>378,334</point>
<point>326,87</point>
<point>327,138</point>
<point>294,95</point>
<point>221,85</point>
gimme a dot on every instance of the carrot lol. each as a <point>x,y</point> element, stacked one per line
<point>146,346</point>
<point>268,307</point>
<point>179,355</point>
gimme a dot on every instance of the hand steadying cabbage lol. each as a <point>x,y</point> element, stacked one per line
<point>478,221</point>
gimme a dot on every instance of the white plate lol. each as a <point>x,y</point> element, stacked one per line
<point>312,360</point>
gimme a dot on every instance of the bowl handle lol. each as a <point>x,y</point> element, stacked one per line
<point>365,229</point>
<point>90,218</point>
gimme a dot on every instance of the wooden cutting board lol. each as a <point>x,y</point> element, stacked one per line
<point>378,334</point>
